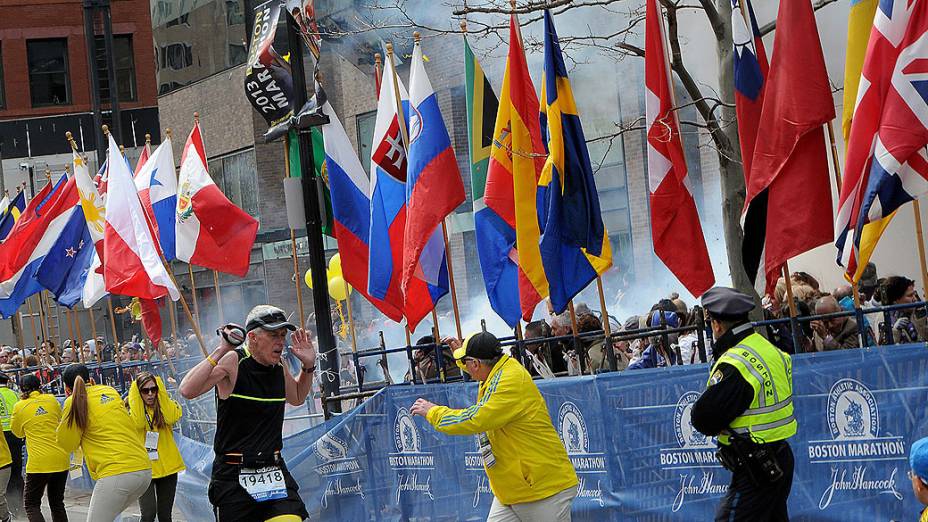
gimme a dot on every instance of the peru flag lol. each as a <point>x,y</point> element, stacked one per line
<point>210,230</point>
<point>351,209</point>
<point>157,186</point>
<point>131,264</point>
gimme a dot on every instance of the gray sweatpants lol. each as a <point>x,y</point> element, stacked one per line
<point>555,508</point>
<point>112,495</point>
<point>4,480</point>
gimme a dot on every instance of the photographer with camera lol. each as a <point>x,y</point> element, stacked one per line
<point>748,405</point>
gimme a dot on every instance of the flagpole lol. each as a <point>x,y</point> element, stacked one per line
<point>193,293</point>
<point>378,74</point>
<point>916,207</point>
<point>183,302</point>
<point>77,326</point>
<point>354,337</point>
<point>35,336</point>
<point>67,318</point>
<point>109,302</point>
<point>454,292</point>
<point>607,326</point>
<point>793,313</point>
<point>98,350</point>
<point>296,263</point>
<point>435,333</point>
<point>218,296</point>
<point>576,331</point>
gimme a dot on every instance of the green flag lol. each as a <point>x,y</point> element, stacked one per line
<point>481,119</point>
<point>319,172</point>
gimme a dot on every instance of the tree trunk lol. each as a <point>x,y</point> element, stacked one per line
<point>729,151</point>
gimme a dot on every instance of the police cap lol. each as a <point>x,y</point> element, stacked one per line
<point>726,303</point>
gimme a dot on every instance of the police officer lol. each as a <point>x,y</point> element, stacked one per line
<point>748,405</point>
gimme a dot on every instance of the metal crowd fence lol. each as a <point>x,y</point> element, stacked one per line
<point>437,352</point>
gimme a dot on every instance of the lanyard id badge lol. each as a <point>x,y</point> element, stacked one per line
<point>151,444</point>
<point>486,451</point>
<point>263,484</point>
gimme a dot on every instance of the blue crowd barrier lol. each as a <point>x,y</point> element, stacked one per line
<point>629,436</point>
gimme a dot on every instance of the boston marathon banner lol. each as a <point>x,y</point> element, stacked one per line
<point>630,438</point>
<point>268,83</point>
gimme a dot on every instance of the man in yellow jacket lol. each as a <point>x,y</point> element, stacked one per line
<point>525,460</point>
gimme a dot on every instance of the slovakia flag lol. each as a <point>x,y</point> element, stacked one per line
<point>131,264</point>
<point>388,192</point>
<point>157,186</point>
<point>351,209</point>
<point>433,190</point>
<point>210,231</point>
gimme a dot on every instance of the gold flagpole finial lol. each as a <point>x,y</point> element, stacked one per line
<point>106,130</point>
<point>464,25</point>
<point>512,5</point>
<point>389,47</point>
<point>196,118</point>
<point>416,36</point>
<point>122,150</point>
<point>70,138</point>
<point>48,173</point>
<point>168,132</point>
<point>67,168</point>
<point>147,139</point>
<point>378,59</point>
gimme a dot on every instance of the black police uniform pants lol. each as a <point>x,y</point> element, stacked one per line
<point>746,501</point>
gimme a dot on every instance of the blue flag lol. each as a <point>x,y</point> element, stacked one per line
<point>574,245</point>
<point>64,269</point>
<point>8,219</point>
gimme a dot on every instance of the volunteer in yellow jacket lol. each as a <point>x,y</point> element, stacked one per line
<point>95,419</point>
<point>36,419</point>
<point>155,413</point>
<point>525,460</point>
<point>6,461</point>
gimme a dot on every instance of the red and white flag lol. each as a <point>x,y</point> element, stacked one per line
<point>675,229</point>
<point>210,230</point>
<point>131,263</point>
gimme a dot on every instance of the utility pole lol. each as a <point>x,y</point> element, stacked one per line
<point>329,361</point>
<point>91,7</point>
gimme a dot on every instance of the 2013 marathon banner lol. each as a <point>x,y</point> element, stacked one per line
<point>631,441</point>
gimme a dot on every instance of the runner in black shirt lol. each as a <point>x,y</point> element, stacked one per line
<point>250,480</point>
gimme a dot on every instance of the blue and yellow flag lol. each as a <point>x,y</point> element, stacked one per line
<point>574,245</point>
<point>9,218</point>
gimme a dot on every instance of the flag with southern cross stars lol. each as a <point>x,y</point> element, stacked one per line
<point>64,269</point>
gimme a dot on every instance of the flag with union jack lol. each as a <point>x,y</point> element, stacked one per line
<point>886,164</point>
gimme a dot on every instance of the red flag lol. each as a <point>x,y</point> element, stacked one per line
<point>143,158</point>
<point>790,162</point>
<point>151,321</point>
<point>675,228</point>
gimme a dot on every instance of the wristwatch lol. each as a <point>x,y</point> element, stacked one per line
<point>311,369</point>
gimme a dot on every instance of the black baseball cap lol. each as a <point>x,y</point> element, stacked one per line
<point>267,317</point>
<point>481,345</point>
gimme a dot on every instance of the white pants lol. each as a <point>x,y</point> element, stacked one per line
<point>555,508</point>
<point>112,495</point>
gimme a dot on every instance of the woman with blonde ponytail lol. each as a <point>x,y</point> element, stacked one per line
<point>95,419</point>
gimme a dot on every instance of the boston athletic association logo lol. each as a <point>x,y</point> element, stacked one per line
<point>341,470</point>
<point>860,461</point>
<point>412,464</point>
<point>572,429</point>
<point>692,462</point>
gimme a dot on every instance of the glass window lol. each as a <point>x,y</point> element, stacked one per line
<point>235,175</point>
<point>125,68</point>
<point>365,124</point>
<point>48,72</point>
<point>194,40</point>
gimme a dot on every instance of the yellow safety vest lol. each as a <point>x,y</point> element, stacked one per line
<point>770,372</point>
<point>8,399</point>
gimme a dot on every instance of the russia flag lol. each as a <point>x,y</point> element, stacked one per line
<point>433,190</point>
<point>351,209</point>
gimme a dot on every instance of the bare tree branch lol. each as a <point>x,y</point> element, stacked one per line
<point>769,28</point>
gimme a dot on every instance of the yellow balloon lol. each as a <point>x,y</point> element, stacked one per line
<point>337,288</point>
<point>308,278</point>
<point>335,266</point>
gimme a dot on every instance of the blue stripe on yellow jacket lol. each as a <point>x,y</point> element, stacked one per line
<point>531,462</point>
<point>574,245</point>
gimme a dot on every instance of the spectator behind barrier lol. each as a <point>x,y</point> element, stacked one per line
<point>836,333</point>
<point>918,461</point>
<point>908,325</point>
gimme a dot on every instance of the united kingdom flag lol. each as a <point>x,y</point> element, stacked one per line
<point>886,164</point>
